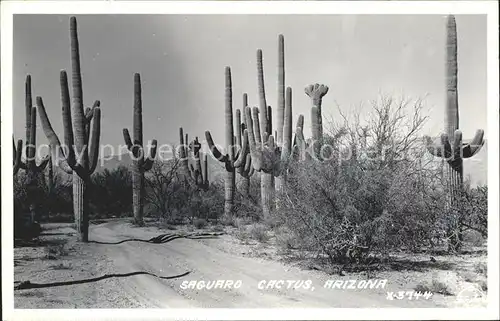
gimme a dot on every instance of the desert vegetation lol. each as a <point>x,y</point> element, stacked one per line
<point>356,190</point>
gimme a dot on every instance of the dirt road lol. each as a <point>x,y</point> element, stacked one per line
<point>206,262</point>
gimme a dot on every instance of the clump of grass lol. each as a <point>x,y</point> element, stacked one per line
<point>61,266</point>
<point>285,239</point>
<point>435,287</point>
<point>481,268</point>
<point>199,223</point>
<point>242,234</point>
<point>53,252</point>
<point>259,233</point>
<point>217,228</point>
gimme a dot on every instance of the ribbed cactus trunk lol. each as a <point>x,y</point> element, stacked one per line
<point>230,179</point>
<point>80,207</point>
<point>140,163</point>
<point>281,108</point>
<point>137,192</point>
<point>266,178</point>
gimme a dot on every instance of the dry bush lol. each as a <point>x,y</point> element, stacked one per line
<point>199,223</point>
<point>258,232</point>
<point>377,190</point>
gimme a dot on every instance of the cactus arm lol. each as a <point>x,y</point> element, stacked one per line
<point>67,122</point>
<point>89,114</point>
<point>78,113</point>
<point>473,147</point>
<point>269,128</point>
<point>262,93</point>
<point>215,151</point>
<point>281,90</point>
<point>148,163</point>
<point>286,138</point>
<point>229,114</point>
<point>94,143</point>
<point>17,154</point>
<point>259,136</point>
<point>181,140</point>
<point>242,155</point>
<point>253,137</point>
<point>128,140</point>
<point>28,102</point>
<point>248,164</point>
<point>206,170</point>
<point>186,146</point>
<point>138,109</point>
<point>31,146</point>
<point>238,128</point>
<point>49,132</point>
<point>89,111</point>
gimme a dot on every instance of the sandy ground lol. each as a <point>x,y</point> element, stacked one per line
<point>223,258</point>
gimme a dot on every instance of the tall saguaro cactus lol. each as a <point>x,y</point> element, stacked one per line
<point>265,138</point>
<point>33,171</point>
<point>80,152</point>
<point>230,160</point>
<point>453,150</point>
<point>316,92</point>
<point>140,163</point>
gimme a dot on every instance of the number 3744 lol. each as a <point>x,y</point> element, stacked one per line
<point>409,295</point>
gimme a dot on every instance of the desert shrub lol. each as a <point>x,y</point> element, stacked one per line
<point>258,232</point>
<point>199,223</point>
<point>376,190</point>
<point>177,200</point>
<point>481,268</point>
<point>111,193</point>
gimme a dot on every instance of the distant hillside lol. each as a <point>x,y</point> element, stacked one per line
<point>215,168</point>
<point>475,168</point>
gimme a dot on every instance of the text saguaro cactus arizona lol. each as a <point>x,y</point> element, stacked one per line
<point>453,150</point>
<point>230,160</point>
<point>80,152</point>
<point>140,163</point>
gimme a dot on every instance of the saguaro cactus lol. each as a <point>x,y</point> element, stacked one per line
<point>230,160</point>
<point>81,150</point>
<point>246,170</point>
<point>140,163</point>
<point>316,92</point>
<point>33,171</point>
<point>453,151</point>
<point>17,155</point>
<point>183,155</point>
<point>199,175</point>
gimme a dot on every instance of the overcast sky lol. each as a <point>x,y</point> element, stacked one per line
<point>182,58</point>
